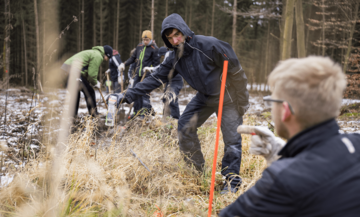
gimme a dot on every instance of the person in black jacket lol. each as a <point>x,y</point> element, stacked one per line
<point>318,173</point>
<point>199,60</point>
<point>115,78</point>
<point>146,54</point>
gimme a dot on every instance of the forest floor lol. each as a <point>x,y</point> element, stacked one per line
<point>101,175</point>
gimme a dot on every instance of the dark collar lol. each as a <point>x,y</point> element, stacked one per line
<point>308,137</point>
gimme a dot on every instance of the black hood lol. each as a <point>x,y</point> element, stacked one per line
<point>177,22</point>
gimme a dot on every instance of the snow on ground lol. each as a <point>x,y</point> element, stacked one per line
<point>20,126</point>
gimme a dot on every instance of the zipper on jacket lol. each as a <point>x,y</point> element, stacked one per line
<point>229,94</point>
<point>142,54</point>
<point>200,51</point>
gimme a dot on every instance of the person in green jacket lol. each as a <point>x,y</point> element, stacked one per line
<point>91,60</point>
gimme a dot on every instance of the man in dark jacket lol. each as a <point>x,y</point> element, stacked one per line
<point>115,78</point>
<point>199,60</point>
<point>318,173</point>
<point>146,54</point>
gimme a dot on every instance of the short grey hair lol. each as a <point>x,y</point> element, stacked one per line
<point>314,87</point>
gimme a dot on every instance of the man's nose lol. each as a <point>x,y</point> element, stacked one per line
<point>176,40</point>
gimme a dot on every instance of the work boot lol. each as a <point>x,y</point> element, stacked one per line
<point>232,183</point>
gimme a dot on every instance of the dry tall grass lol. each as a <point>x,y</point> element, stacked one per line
<point>107,180</point>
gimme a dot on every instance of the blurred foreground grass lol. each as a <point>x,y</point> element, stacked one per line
<point>107,180</point>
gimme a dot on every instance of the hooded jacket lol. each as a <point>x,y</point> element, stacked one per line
<point>200,64</point>
<point>114,63</point>
<point>91,61</point>
<point>144,56</point>
<point>317,175</point>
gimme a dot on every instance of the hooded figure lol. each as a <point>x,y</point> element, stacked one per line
<point>199,60</point>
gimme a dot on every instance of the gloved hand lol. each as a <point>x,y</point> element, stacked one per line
<point>148,69</point>
<point>120,98</point>
<point>107,71</point>
<point>119,80</point>
<point>121,67</point>
<point>131,81</point>
<point>264,143</point>
<point>98,85</point>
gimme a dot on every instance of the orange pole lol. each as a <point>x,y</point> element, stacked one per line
<point>221,102</point>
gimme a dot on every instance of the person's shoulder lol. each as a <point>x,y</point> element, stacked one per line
<point>206,42</point>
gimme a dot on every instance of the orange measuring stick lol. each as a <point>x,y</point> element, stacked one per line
<point>221,102</point>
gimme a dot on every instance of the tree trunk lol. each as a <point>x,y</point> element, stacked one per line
<point>37,39</point>
<point>212,19</point>
<point>43,47</point>
<point>308,32</point>
<point>349,48</point>
<point>117,25</point>
<point>234,26</point>
<point>300,37</point>
<point>25,51</point>
<point>289,19</point>
<point>152,18</point>
<point>190,16</point>
<point>79,32</point>
<point>94,24</point>
<point>206,20</point>
<point>267,53</point>
<point>323,27</point>
<point>281,26</point>
<point>82,24</point>
<point>186,11</point>
<point>166,8</point>
<point>140,26</point>
<point>101,34</point>
<point>7,40</point>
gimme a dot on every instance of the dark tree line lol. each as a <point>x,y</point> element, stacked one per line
<point>38,33</point>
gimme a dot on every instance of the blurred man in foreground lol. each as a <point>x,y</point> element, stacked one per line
<point>318,173</point>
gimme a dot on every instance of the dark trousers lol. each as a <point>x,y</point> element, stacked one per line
<point>143,102</point>
<point>89,94</point>
<point>174,87</point>
<point>196,113</point>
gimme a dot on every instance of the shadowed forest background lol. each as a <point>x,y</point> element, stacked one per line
<point>38,33</point>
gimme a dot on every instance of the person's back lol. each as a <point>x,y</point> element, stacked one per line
<point>318,173</point>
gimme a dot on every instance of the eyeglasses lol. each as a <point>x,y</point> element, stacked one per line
<point>268,102</point>
<point>146,39</point>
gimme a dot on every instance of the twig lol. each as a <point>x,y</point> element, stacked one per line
<point>133,153</point>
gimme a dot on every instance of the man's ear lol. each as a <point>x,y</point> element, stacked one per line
<point>285,112</point>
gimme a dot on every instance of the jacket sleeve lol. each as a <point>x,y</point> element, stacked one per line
<point>93,69</point>
<point>156,79</point>
<point>269,197</point>
<point>131,59</point>
<point>155,57</point>
<point>236,74</point>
